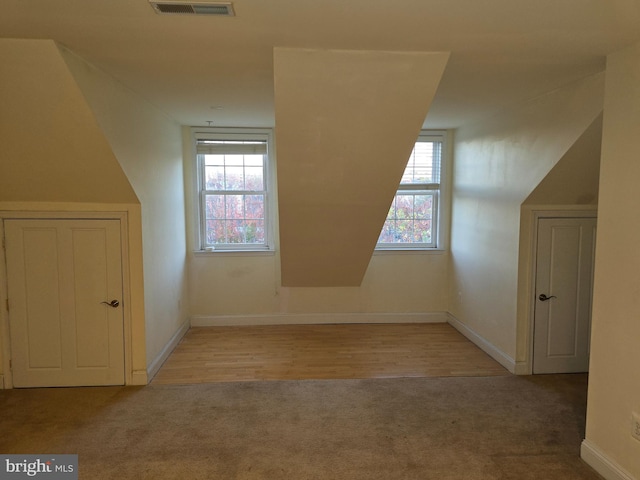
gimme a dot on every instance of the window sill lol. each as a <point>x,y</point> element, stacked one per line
<point>234,253</point>
<point>409,251</point>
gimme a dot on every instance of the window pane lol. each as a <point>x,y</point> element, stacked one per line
<point>423,165</point>
<point>254,231</point>
<point>409,219</point>
<point>229,170</point>
<point>423,206</point>
<point>404,206</point>
<point>234,206</point>
<point>254,178</point>
<point>413,213</point>
<point>215,232</point>
<point>234,231</point>
<point>388,232</point>
<point>234,178</point>
<point>214,206</point>
<point>234,172</point>
<point>235,219</point>
<point>254,207</point>
<point>404,231</point>
<point>422,231</point>
<point>214,177</point>
<point>392,211</point>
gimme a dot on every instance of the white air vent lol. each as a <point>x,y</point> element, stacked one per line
<point>221,9</point>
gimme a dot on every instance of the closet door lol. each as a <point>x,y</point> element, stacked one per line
<point>564,280</point>
<point>64,282</point>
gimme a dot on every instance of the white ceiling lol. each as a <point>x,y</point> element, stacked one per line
<point>202,69</point>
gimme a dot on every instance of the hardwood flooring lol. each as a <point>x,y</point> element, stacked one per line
<point>297,352</point>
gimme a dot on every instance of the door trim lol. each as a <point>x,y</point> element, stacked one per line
<point>122,217</point>
<point>536,213</point>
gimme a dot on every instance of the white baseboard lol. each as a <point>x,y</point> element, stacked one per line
<point>139,377</point>
<point>316,318</point>
<point>602,464</point>
<point>498,355</point>
<point>157,362</point>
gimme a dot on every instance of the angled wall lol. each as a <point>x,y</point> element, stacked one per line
<point>498,163</point>
<point>571,185</point>
<point>148,146</point>
<point>574,179</point>
<point>346,122</point>
<point>78,140</point>
<point>52,147</point>
<point>56,158</point>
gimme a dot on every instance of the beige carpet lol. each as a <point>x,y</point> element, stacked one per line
<point>503,427</point>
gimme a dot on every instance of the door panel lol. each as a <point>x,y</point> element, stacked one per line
<point>90,281</point>
<point>42,326</point>
<point>59,272</point>
<point>564,273</point>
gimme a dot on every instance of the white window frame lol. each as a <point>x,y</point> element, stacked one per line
<point>233,134</point>
<point>439,199</point>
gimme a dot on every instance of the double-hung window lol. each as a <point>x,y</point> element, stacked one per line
<point>412,221</point>
<point>233,190</point>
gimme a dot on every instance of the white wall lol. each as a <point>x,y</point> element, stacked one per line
<point>148,145</point>
<point>248,287</point>
<point>614,380</point>
<point>223,285</point>
<point>497,164</point>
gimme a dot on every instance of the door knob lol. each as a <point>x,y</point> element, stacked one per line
<point>544,298</point>
<point>112,303</point>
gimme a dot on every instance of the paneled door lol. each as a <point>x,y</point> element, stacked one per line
<point>64,281</point>
<point>564,280</point>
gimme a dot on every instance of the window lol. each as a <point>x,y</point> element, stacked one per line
<point>233,190</point>
<point>412,221</point>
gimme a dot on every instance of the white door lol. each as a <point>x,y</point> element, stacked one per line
<point>64,282</point>
<point>564,279</point>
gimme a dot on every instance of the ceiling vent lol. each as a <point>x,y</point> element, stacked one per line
<point>220,9</point>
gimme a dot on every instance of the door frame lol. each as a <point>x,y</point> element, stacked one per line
<point>535,213</point>
<point>6,380</point>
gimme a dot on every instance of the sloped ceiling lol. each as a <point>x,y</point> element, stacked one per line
<point>503,52</point>
<point>346,122</point>
<point>574,179</point>
<point>52,147</point>
<point>222,72</point>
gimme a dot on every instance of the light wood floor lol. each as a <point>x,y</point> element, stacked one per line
<point>295,352</point>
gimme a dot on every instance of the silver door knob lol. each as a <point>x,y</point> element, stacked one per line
<point>112,303</point>
<point>544,298</point>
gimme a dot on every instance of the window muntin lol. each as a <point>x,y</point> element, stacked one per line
<point>412,220</point>
<point>233,186</point>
